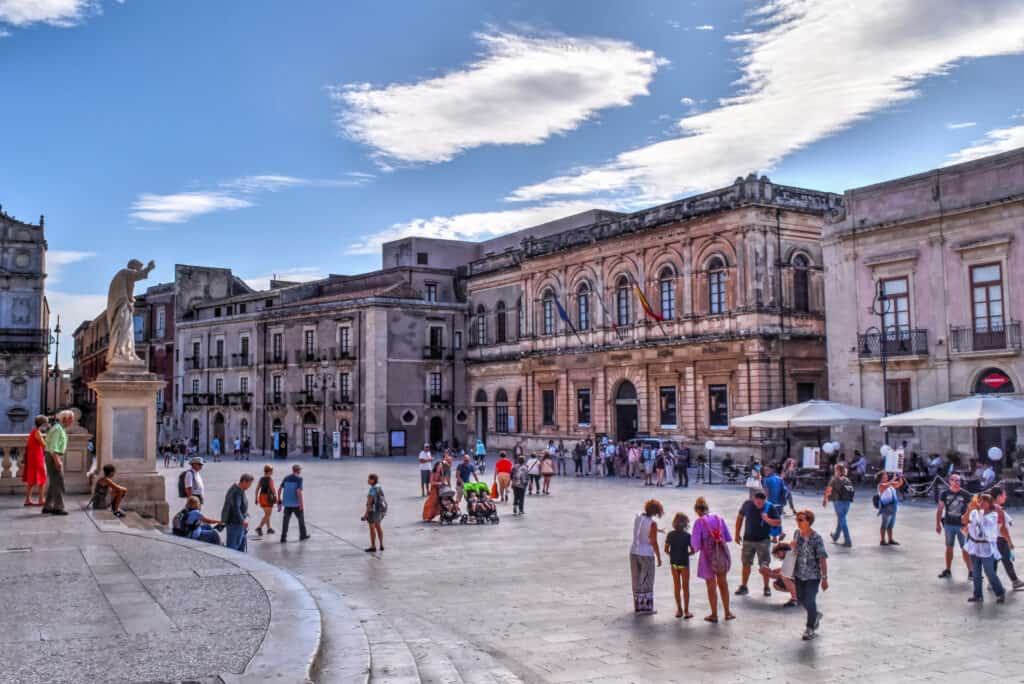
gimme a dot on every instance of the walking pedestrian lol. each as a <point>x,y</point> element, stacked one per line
<point>547,469</point>
<point>759,517</point>
<point>982,544</point>
<point>949,514</point>
<point>777,492</point>
<point>633,462</point>
<point>1005,542</point>
<point>562,458</point>
<point>235,513</point>
<point>642,556</point>
<point>533,470</point>
<point>840,492</point>
<point>290,497</point>
<point>711,539</point>
<point>520,477</point>
<point>659,468</point>
<point>648,459</point>
<point>465,473</point>
<point>193,480</point>
<point>56,446</point>
<point>215,448</point>
<point>577,458</point>
<point>810,571</point>
<point>376,508</point>
<point>503,475</point>
<point>426,465</point>
<point>888,505</point>
<point>481,455</point>
<point>683,467</point>
<point>679,550</point>
<point>33,474</point>
<point>432,505</point>
<point>266,497</point>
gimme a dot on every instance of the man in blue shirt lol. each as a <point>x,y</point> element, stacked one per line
<point>776,490</point>
<point>289,496</point>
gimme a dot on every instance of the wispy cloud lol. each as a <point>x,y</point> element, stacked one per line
<point>57,259</point>
<point>298,274</point>
<point>995,141</point>
<point>963,124</point>
<point>520,91</point>
<point>182,206</point>
<point>53,12</point>
<point>274,183</point>
<point>73,308</point>
<point>704,27</point>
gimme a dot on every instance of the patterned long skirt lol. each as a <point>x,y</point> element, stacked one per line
<point>641,569</point>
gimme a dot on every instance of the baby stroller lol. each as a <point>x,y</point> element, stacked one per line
<point>479,507</point>
<point>449,508</point>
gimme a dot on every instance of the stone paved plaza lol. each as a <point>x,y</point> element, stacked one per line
<point>546,597</point>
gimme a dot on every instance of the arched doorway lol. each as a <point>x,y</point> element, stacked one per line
<point>195,431</point>
<point>345,432</point>
<point>995,381</point>
<point>481,415</point>
<point>436,431</point>
<point>310,434</point>
<point>218,430</point>
<point>626,411</point>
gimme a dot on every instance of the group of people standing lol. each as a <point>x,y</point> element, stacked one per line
<point>43,466</point>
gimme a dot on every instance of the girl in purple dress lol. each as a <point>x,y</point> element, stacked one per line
<point>711,539</point>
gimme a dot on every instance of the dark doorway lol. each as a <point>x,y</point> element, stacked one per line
<point>481,415</point>
<point>195,431</point>
<point>995,381</point>
<point>310,434</point>
<point>218,430</point>
<point>345,433</point>
<point>626,412</point>
<point>436,430</point>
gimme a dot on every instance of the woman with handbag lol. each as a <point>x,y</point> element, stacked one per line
<point>266,497</point>
<point>810,570</point>
<point>643,554</point>
<point>711,538</point>
<point>888,505</point>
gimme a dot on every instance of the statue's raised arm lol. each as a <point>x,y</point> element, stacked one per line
<point>120,312</point>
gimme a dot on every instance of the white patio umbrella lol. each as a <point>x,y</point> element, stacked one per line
<point>813,413</point>
<point>979,410</point>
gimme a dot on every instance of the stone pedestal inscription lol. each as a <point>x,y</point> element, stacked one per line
<point>129,435</point>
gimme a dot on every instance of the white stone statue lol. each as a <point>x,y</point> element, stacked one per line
<point>121,310</point>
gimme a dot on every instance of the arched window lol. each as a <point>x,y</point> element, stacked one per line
<point>499,323</point>
<point>520,318</point>
<point>481,397</point>
<point>667,290</point>
<point>583,307</point>
<point>501,411</point>
<point>716,286</point>
<point>481,325</point>
<point>622,301</point>
<point>801,286</point>
<point>548,310</point>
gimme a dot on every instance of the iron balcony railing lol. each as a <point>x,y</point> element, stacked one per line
<point>215,361</point>
<point>433,352</point>
<point>305,398</point>
<point>443,397</point>
<point>342,354</point>
<point>339,399</point>
<point>24,340</point>
<point>306,356</point>
<point>894,342</point>
<point>275,398</point>
<point>991,338</point>
<point>276,358</point>
<point>200,399</point>
<point>193,363</point>
<point>238,398</point>
<point>241,360</point>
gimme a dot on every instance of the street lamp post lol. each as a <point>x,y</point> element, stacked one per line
<point>325,382</point>
<point>881,306</point>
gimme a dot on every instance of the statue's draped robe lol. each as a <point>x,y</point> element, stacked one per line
<point>120,313</point>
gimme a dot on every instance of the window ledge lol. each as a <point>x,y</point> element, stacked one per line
<point>985,353</point>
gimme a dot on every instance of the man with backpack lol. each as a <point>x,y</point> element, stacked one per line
<point>190,482</point>
<point>840,492</point>
<point>376,509</point>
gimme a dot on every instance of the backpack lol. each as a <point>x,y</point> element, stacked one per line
<point>847,492</point>
<point>876,501</point>
<point>182,491</point>
<point>178,527</point>
<point>719,551</point>
<point>382,504</point>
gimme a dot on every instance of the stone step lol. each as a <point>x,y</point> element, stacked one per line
<point>433,663</point>
<point>437,655</point>
<point>391,660</point>
<point>344,656</point>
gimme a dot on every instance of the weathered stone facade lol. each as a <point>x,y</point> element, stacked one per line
<point>737,275</point>
<point>24,322</point>
<point>945,247</point>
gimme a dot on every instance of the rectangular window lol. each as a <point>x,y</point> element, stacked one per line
<point>216,312</point>
<point>195,352</point>
<point>345,385</point>
<point>159,399</point>
<point>243,348</point>
<point>219,346</point>
<point>431,293</point>
<point>243,384</point>
<point>718,407</point>
<point>195,386</point>
<point>896,308</point>
<point>241,308</point>
<point>345,340</point>
<point>897,396</point>
<point>667,406</point>
<point>716,292</point>
<point>230,310</point>
<point>139,325</point>
<point>309,342</point>
<point>422,258</point>
<point>458,339</point>
<point>987,298</point>
<point>275,389</point>
<point>583,407</point>
<point>804,392</point>
<point>219,386</point>
<point>161,322</point>
<point>548,404</point>
<point>548,308</point>
<point>308,382</point>
<point>436,337</point>
<point>277,346</point>
<point>667,289</point>
<point>435,386</point>
<point>501,418</point>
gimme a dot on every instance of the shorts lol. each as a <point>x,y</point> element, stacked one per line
<point>762,549</point>
<point>685,566</point>
<point>954,533</point>
<point>425,477</point>
<point>373,517</point>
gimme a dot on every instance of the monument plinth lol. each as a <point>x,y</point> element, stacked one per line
<point>126,420</point>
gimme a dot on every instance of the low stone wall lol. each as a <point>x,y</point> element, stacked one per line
<point>77,462</point>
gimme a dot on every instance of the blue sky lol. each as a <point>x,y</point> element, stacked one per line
<point>293,138</point>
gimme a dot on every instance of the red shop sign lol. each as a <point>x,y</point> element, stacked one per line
<point>995,380</point>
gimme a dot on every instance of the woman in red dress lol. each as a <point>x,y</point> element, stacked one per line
<point>34,472</point>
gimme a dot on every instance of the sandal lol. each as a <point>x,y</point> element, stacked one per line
<point>730,616</point>
<point>710,618</point>
<point>687,616</point>
<point>679,613</point>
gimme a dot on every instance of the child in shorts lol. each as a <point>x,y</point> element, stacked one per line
<point>677,546</point>
<point>783,575</point>
<point>105,486</point>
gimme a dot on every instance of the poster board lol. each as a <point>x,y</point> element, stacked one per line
<point>812,457</point>
<point>894,461</point>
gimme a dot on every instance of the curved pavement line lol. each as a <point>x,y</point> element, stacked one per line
<point>291,647</point>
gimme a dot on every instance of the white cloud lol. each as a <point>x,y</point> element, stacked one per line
<point>73,309</point>
<point>688,101</point>
<point>300,274</point>
<point>878,50</point>
<point>994,142</point>
<point>470,226</point>
<point>964,124</point>
<point>182,206</point>
<point>521,90</point>
<point>704,27</point>
<point>57,259</point>
<point>53,12</point>
<point>274,183</point>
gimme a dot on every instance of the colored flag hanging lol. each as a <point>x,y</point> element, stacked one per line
<point>607,313</point>
<point>646,306</point>
<point>564,315</point>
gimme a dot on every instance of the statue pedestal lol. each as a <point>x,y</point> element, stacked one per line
<point>126,427</point>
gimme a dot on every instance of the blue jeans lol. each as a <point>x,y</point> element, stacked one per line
<point>236,538</point>
<point>989,566</point>
<point>807,595</point>
<point>888,513</point>
<point>842,508</point>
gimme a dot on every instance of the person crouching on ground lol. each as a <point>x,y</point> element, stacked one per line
<point>202,528</point>
<point>104,487</point>
<point>235,513</point>
<point>374,513</point>
<point>810,570</point>
<point>677,546</point>
<point>783,575</point>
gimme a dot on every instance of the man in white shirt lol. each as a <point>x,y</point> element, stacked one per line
<point>193,480</point>
<point>533,470</point>
<point>426,464</point>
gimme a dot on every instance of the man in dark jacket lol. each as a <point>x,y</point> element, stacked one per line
<point>235,514</point>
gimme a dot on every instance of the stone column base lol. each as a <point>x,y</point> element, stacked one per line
<point>146,495</point>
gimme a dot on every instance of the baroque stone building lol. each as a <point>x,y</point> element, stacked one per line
<point>924,272</point>
<point>736,274</point>
<point>24,321</point>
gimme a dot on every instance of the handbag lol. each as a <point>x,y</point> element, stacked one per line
<point>494,490</point>
<point>753,483</point>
